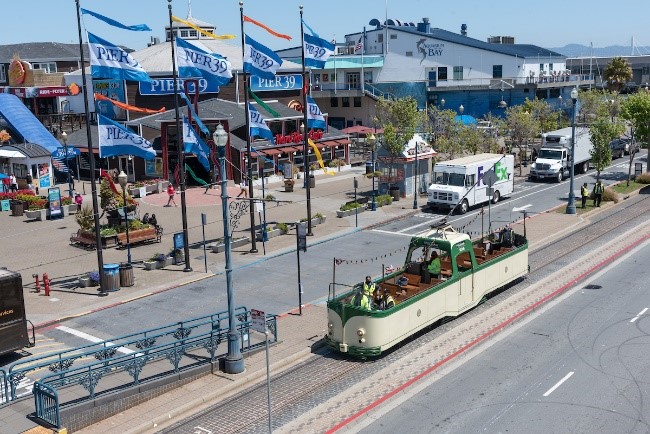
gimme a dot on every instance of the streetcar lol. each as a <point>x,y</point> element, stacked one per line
<point>14,334</point>
<point>469,272</point>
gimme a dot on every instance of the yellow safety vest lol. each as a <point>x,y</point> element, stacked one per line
<point>369,289</point>
<point>584,191</point>
<point>598,189</point>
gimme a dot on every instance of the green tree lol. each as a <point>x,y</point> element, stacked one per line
<point>636,109</point>
<point>399,118</point>
<point>592,104</point>
<point>543,113</point>
<point>617,73</point>
<point>602,133</point>
<point>521,127</point>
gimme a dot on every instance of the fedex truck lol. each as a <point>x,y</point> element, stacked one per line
<point>460,184</point>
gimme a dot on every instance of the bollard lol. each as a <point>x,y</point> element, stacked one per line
<point>37,284</point>
<point>46,284</point>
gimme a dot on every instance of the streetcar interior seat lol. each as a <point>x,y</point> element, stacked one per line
<point>413,281</point>
<point>445,267</point>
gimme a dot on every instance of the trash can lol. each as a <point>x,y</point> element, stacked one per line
<point>394,192</point>
<point>126,274</point>
<point>17,208</point>
<point>111,281</point>
<point>369,168</point>
<point>312,181</point>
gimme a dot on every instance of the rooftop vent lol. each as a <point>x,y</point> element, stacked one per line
<point>508,40</point>
<point>463,29</point>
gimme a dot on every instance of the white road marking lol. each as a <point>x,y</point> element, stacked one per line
<point>522,208</point>
<point>558,384</point>
<point>640,313</point>
<point>92,338</point>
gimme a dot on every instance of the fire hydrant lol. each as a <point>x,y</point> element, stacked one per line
<point>37,284</point>
<point>46,284</point>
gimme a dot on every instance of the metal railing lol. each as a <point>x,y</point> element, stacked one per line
<point>103,377</point>
<point>59,362</point>
<point>4,389</point>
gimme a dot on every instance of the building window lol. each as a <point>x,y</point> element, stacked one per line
<point>194,34</point>
<point>458,72</point>
<point>3,75</point>
<point>442,73</point>
<point>49,68</point>
<point>334,102</point>
<point>550,67</point>
<point>393,36</point>
<point>409,54</point>
<point>644,70</point>
<point>357,101</point>
<point>497,71</point>
<point>345,101</point>
<point>541,66</point>
<point>380,38</point>
<point>185,33</point>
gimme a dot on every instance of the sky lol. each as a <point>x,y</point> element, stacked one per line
<point>550,23</point>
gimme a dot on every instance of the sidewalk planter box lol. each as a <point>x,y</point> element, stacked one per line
<point>269,234</point>
<point>288,185</point>
<point>138,236</point>
<point>151,265</point>
<point>85,282</point>
<point>239,242</point>
<point>37,214</point>
<point>350,212</point>
<point>67,209</point>
<point>178,260</point>
<point>87,238</point>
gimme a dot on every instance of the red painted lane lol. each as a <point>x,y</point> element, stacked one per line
<point>486,335</point>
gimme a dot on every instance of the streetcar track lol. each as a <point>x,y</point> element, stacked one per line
<point>340,369</point>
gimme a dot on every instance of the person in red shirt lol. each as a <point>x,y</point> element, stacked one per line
<point>171,192</point>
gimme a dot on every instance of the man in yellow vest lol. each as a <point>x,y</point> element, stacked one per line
<point>369,287</point>
<point>584,193</point>
<point>598,192</point>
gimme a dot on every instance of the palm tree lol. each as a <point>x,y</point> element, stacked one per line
<point>617,73</point>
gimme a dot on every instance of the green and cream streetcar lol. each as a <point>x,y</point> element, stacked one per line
<point>468,272</point>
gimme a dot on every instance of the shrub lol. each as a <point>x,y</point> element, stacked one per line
<point>384,199</point>
<point>85,218</point>
<point>350,206</point>
<point>284,228</point>
<point>158,257</point>
<point>94,277</point>
<point>610,195</point>
<point>319,216</point>
<point>16,194</point>
<point>269,197</point>
<point>107,231</point>
<point>176,253</point>
<point>643,178</point>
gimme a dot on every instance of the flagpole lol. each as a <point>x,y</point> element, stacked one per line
<point>91,161</point>
<point>335,54</point>
<point>363,48</point>
<point>249,167</point>
<point>179,145</point>
<point>305,131</point>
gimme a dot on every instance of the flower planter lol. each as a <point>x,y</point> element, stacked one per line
<point>85,282</point>
<point>350,212</point>
<point>269,234</point>
<point>150,265</point>
<point>38,214</point>
<point>221,247</point>
<point>178,260</point>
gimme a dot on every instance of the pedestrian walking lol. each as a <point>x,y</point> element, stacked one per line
<point>242,188</point>
<point>584,193</point>
<point>171,192</point>
<point>598,192</point>
<point>13,182</point>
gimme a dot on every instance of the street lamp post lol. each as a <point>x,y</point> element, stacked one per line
<point>372,141</point>
<point>417,163</point>
<point>64,137</point>
<point>234,363</point>
<point>461,109</point>
<point>305,147</point>
<point>122,178</point>
<point>571,206</point>
<point>559,112</point>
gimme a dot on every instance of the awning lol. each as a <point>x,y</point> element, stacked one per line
<point>25,123</point>
<point>7,153</point>
<point>343,141</point>
<point>271,152</point>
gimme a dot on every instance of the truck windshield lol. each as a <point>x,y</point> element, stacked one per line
<point>445,178</point>
<point>550,154</point>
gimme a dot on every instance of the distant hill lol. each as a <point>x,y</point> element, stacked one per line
<point>577,50</point>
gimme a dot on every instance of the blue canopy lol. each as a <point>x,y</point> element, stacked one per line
<point>466,119</point>
<point>25,123</point>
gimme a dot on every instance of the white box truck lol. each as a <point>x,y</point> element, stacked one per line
<point>459,183</point>
<point>554,157</point>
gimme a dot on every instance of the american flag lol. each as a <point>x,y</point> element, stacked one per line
<point>359,45</point>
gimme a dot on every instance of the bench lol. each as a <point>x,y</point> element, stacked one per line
<point>141,236</point>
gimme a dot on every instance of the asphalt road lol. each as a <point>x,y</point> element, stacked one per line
<point>580,366</point>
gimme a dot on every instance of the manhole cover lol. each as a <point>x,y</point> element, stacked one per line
<point>593,287</point>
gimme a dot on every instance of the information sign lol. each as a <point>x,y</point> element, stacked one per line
<point>258,320</point>
<point>54,200</point>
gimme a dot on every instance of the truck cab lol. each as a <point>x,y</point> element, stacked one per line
<point>551,163</point>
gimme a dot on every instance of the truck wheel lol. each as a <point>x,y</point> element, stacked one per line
<point>496,196</point>
<point>560,176</point>
<point>585,167</point>
<point>464,207</point>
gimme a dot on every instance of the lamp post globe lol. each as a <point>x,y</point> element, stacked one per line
<point>442,103</point>
<point>571,205</point>
<point>372,141</point>
<point>122,179</point>
<point>461,109</point>
<point>234,362</point>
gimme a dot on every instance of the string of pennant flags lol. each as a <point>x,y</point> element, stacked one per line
<point>340,261</point>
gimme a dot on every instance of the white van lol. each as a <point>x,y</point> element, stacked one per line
<point>459,183</point>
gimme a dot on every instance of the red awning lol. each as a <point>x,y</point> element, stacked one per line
<point>343,141</point>
<point>271,152</point>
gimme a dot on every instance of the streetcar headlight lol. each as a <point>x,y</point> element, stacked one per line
<point>362,340</point>
<point>330,325</point>
<point>361,332</point>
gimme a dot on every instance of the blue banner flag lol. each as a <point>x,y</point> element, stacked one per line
<point>257,125</point>
<point>192,144</point>
<point>315,118</point>
<point>112,22</point>
<point>195,116</point>
<point>260,60</point>
<point>116,140</point>
<point>107,60</point>
<point>194,61</point>
<point>317,51</point>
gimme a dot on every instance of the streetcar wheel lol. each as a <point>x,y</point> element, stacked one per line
<point>464,207</point>
<point>496,196</point>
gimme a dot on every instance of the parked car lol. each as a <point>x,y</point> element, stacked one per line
<point>622,146</point>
